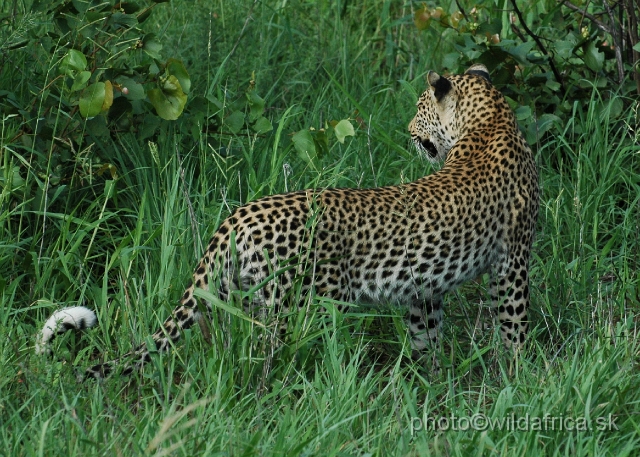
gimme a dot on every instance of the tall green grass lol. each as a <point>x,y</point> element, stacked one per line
<point>344,385</point>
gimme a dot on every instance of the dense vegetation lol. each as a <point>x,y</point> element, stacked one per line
<point>129,131</point>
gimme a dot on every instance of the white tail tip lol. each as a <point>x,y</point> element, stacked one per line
<point>73,318</point>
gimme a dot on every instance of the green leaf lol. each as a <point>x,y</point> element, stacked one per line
<point>610,109</point>
<point>564,48</point>
<point>262,125</point>
<point>96,16</point>
<point>92,100</point>
<point>303,142</point>
<point>343,129</point>
<point>537,57</point>
<point>151,46</point>
<point>523,112</point>
<point>239,104</point>
<point>519,52</point>
<point>80,5</point>
<point>108,96</point>
<point>134,90</point>
<point>73,61</point>
<point>637,47</point>
<point>493,27</point>
<point>80,81</point>
<point>168,99</point>
<point>593,58</point>
<point>546,123</point>
<point>422,18</point>
<point>13,182</point>
<point>469,49</point>
<point>176,68</point>
<point>553,85</point>
<point>235,121</point>
<point>171,86</point>
<point>129,7</point>
<point>149,126</point>
<point>256,105</point>
<point>451,60</point>
<point>122,20</point>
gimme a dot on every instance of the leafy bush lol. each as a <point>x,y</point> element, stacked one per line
<point>94,73</point>
<point>547,55</point>
<point>97,74</point>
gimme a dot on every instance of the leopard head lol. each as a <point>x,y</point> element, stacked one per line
<point>442,119</point>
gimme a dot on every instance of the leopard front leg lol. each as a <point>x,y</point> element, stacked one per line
<point>509,293</point>
<point>425,324</point>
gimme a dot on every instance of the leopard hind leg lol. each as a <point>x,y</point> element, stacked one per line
<point>425,326</point>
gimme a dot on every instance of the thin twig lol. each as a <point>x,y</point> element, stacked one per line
<point>516,30</point>
<point>591,17</point>
<point>616,42</point>
<point>631,10</point>
<point>461,9</point>
<point>610,30</point>
<point>555,71</point>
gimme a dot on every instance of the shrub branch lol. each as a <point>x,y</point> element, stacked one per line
<point>543,49</point>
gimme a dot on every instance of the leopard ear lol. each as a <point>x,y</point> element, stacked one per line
<point>479,70</point>
<point>441,85</point>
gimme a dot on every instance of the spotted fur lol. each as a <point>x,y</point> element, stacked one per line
<point>406,245</point>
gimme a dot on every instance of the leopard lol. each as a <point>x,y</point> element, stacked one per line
<point>401,245</point>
